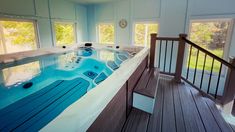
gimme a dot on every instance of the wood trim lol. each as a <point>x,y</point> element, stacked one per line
<point>168,38</point>
<point>152,50</point>
<point>167,73</point>
<point>229,90</point>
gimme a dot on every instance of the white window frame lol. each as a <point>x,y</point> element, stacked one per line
<point>98,32</point>
<point>229,35</point>
<point>38,45</point>
<point>142,22</point>
<point>65,22</point>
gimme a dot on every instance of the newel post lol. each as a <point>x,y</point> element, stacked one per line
<point>229,91</point>
<point>180,57</point>
<point>152,49</point>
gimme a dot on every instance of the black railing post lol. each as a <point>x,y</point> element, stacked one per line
<point>152,50</point>
<point>229,89</point>
<point>180,57</point>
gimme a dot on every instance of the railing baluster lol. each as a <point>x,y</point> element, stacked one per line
<point>159,59</point>
<point>203,70</point>
<point>195,71</point>
<point>165,56</point>
<point>190,52</point>
<point>209,85</point>
<point>171,55</point>
<point>217,85</point>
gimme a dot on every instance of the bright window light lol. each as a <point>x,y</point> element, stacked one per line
<point>17,36</point>
<point>106,33</point>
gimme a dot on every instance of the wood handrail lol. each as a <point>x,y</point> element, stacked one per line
<point>209,53</point>
<point>167,38</point>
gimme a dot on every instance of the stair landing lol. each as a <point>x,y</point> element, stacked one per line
<point>178,108</point>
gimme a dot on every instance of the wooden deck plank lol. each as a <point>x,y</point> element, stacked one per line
<point>232,127</point>
<point>168,122</point>
<point>180,125</point>
<point>143,82</point>
<point>217,116</point>
<point>192,120</point>
<point>137,122</point>
<point>155,123</point>
<point>204,111</point>
<point>151,87</point>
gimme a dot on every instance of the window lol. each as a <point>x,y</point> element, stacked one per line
<point>106,33</point>
<point>142,33</point>
<point>17,36</point>
<point>64,33</point>
<point>211,35</point>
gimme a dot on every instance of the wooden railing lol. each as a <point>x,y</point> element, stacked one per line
<point>217,84</point>
<point>163,56</point>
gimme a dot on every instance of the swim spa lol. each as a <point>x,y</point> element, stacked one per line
<point>64,91</point>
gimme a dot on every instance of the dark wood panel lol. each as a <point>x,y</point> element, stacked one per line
<point>137,121</point>
<point>113,117</point>
<point>132,81</point>
<point>136,75</point>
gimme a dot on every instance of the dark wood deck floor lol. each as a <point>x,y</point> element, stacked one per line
<point>178,108</point>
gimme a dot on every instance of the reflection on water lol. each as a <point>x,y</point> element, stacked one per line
<point>106,55</point>
<point>66,59</point>
<point>14,75</point>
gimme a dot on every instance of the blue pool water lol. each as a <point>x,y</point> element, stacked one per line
<point>34,91</point>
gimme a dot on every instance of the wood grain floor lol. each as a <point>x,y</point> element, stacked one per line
<point>178,108</point>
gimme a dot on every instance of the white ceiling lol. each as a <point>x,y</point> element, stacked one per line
<point>90,1</point>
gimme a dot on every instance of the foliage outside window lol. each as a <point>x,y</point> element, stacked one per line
<point>106,33</point>
<point>212,36</point>
<point>142,33</point>
<point>17,36</point>
<point>65,33</point>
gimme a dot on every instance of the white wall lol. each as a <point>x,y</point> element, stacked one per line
<point>173,17</point>
<point>160,11</point>
<point>45,12</point>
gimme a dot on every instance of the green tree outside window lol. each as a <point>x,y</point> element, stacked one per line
<point>142,33</point>
<point>16,36</point>
<point>65,33</point>
<point>211,36</point>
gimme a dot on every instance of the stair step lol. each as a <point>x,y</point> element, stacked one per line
<point>145,92</point>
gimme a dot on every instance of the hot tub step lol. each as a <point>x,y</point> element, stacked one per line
<point>144,94</point>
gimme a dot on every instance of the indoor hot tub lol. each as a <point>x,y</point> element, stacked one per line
<point>76,89</point>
